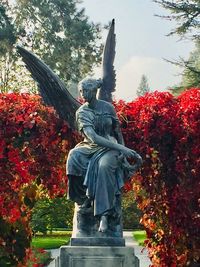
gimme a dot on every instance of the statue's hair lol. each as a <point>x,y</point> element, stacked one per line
<point>90,83</point>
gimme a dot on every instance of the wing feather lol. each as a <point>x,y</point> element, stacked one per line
<point>109,76</point>
<point>51,88</point>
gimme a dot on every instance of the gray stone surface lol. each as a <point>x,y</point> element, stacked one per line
<point>85,224</point>
<point>140,252</point>
<point>98,257</point>
<point>57,261</point>
<point>54,255</point>
<point>97,166</point>
<point>95,241</point>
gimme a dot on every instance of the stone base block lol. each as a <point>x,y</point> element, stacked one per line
<point>97,257</point>
<point>57,259</point>
<point>98,241</point>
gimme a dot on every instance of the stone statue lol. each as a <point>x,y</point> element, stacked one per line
<point>98,165</point>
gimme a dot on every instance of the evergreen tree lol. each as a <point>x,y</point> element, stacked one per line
<point>186,13</point>
<point>191,71</point>
<point>143,87</point>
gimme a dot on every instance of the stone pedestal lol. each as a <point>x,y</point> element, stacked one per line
<point>85,224</point>
<point>91,248</point>
<point>98,242</point>
<point>97,257</point>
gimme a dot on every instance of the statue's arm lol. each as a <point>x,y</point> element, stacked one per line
<point>120,139</point>
<point>118,134</point>
<point>103,142</point>
<point>116,126</point>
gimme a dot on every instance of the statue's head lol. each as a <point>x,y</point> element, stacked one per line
<point>90,84</point>
<point>88,88</point>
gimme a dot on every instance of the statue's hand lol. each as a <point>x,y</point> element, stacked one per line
<point>132,169</point>
<point>130,153</point>
<point>138,159</point>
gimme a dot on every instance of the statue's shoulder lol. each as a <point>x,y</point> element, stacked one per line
<point>83,108</point>
<point>84,112</point>
<point>106,104</point>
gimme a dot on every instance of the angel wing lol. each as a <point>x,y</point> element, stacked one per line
<point>108,87</point>
<point>51,88</point>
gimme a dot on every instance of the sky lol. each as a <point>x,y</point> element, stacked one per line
<point>142,44</point>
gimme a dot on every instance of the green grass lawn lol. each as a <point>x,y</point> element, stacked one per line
<point>59,238</point>
<point>60,232</point>
<point>51,241</point>
<point>139,236</point>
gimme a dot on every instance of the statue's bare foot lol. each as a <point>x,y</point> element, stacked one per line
<point>103,226</point>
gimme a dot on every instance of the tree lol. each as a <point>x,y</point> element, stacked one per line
<point>61,35</point>
<point>7,40</point>
<point>13,75</point>
<point>52,213</point>
<point>143,86</point>
<point>186,14</point>
<point>58,32</point>
<point>7,31</point>
<point>191,71</point>
<point>131,214</point>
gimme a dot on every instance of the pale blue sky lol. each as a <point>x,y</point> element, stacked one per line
<point>141,43</point>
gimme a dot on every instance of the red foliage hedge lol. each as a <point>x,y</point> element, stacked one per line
<point>165,130</point>
<point>34,144</point>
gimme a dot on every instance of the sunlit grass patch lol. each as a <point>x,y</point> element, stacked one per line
<point>49,242</point>
<point>139,236</point>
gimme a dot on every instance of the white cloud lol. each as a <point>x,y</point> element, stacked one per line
<point>160,75</point>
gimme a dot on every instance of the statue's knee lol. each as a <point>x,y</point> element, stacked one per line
<point>73,154</point>
<point>103,164</point>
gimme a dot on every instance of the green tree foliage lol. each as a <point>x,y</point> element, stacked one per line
<point>186,13</point>
<point>191,74</point>
<point>13,75</point>
<point>61,34</point>
<point>191,71</point>
<point>7,31</point>
<point>7,39</point>
<point>143,86</point>
<point>52,213</point>
<point>131,214</point>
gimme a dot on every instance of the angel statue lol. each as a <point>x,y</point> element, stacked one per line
<point>97,167</point>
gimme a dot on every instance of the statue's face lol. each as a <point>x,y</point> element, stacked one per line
<point>88,94</point>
